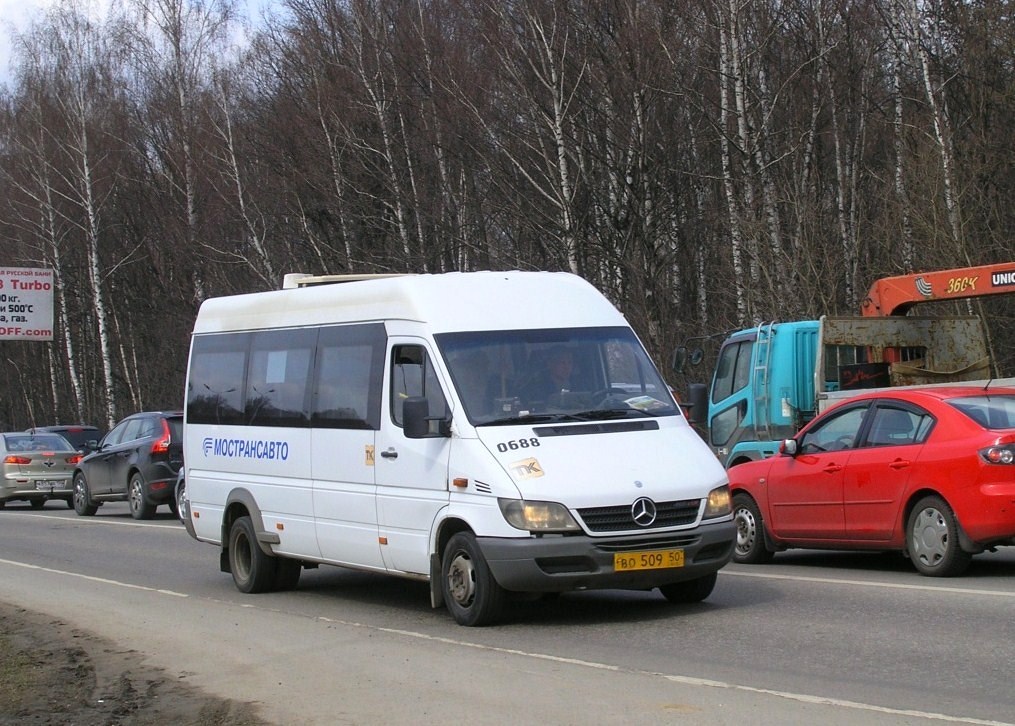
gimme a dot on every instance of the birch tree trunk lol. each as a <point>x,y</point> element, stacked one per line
<point>727,70</point>
<point>260,261</point>
<point>82,76</point>
<point>42,221</point>
<point>370,63</point>
<point>933,91</point>
<point>175,64</point>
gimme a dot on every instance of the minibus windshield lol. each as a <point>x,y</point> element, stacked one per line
<point>569,374</point>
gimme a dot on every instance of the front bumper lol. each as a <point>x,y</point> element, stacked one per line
<point>564,563</point>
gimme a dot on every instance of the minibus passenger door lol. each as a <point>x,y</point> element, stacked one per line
<point>347,408</point>
<point>411,473</point>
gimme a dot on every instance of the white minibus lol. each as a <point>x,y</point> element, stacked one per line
<point>499,435</point>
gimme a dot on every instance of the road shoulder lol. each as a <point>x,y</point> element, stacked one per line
<point>54,673</point>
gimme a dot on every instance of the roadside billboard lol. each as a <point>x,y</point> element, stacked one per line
<point>26,303</point>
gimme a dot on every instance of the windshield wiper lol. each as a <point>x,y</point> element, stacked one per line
<point>606,414</point>
<point>531,419</point>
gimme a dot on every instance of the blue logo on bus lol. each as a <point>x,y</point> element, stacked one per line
<point>246,448</point>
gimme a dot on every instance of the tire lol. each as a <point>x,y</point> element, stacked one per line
<point>37,503</point>
<point>139,507</point>
<point>689,591</point>
<point>82,498</point>
<point>750,548</point>
<point>253,571</point>
<point>471,594</point>
<point>287,574</point>
<point>932,539</point>
<point>3,503</point>
<point>180,502</point>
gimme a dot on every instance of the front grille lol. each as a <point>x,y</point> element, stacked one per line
<point>618,518</point>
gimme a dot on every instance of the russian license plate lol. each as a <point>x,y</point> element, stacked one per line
<point>48,485</point>
<point>654,560</point>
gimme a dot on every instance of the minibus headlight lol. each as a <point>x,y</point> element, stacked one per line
<point>718,504</point>
<point>537,516</point>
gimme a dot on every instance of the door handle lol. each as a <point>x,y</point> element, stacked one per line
<point>832,469</point>
<point>899,464</point>
<point>390,454</point>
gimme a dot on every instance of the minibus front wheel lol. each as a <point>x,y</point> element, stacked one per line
<point>471,593</point>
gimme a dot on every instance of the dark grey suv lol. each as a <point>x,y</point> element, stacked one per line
<point>137,461</point>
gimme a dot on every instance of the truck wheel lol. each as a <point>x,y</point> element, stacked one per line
<point>139,508</point>
<point>750,548</point>
<point>472,596</point>
<point>689,591</point>
<point>83,504</point>
<point>253,571</point>
<point>933,539</point>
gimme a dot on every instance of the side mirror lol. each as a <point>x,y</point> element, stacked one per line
<point>788,447</point>
<point>679,359</point>
<point>415,412</point>
<point>697,395</point>
<point>416,419</point>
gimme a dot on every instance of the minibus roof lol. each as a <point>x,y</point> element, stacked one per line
<point>448,302</point>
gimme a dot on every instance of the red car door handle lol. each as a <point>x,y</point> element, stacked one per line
<point>832,468</point>
<point>899,464</point>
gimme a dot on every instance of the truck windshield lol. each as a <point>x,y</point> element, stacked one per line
<point>568,375</point>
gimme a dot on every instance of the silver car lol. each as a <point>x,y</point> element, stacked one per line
<point>37,468</point>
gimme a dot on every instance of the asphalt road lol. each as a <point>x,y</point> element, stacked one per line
<point>814,638</point>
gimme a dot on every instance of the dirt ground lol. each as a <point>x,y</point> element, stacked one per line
<point>53,673</point>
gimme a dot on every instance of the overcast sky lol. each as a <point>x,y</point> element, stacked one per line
<point>16,14</point>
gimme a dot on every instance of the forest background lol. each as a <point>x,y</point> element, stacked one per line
<point>707,165</point>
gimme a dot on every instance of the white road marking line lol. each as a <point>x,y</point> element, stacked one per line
<point>89,520</point>
<point>868,583</point>
<point>92,578</point>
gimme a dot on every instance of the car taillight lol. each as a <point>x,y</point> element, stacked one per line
<point>999,454</point>
<point>161,444</point>
<point>12,459</point>
<point>75,459</point>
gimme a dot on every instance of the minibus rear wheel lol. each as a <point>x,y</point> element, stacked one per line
<point>471,594</point>
<point>253,571</point>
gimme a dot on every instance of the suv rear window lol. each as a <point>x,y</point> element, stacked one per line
<point>78,436</point>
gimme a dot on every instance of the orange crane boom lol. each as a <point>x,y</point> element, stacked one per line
<point>895,295</point>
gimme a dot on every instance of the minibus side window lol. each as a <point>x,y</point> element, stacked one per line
<point>277,376</point>
<point>350,372</point>
<point>215,387</point>
<point>412,374</point>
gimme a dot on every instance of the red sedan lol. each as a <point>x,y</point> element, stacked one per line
<point>928,471</point>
